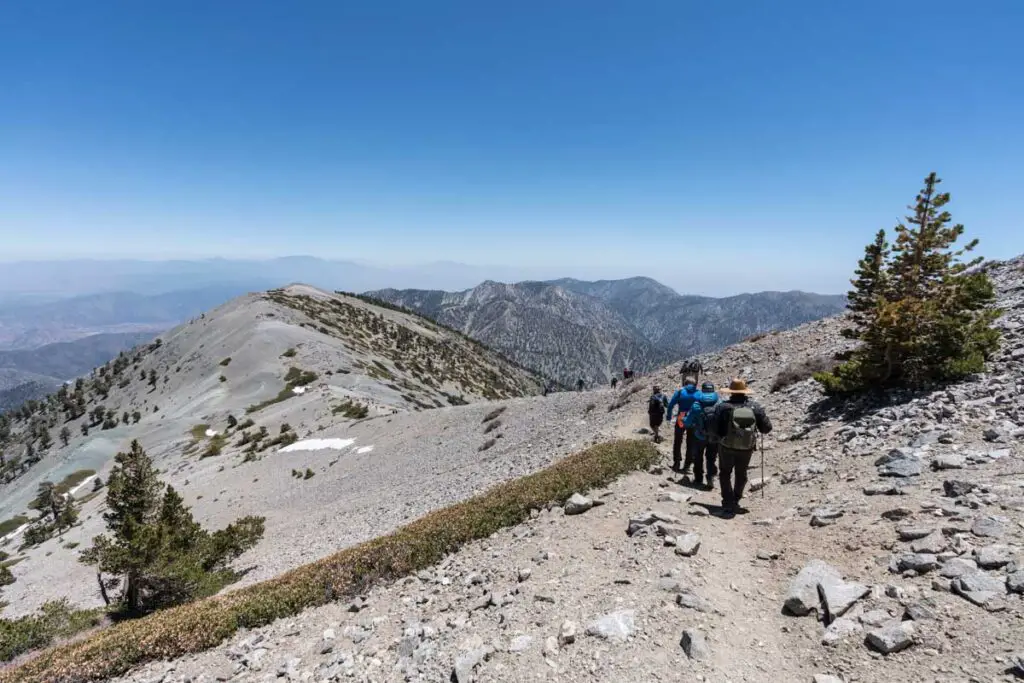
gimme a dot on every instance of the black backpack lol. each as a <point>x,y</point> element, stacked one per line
<point>655,405</point>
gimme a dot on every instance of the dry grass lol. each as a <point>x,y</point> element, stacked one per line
<point>418,545</point>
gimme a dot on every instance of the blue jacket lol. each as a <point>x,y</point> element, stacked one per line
<point>683,398</point>
<point>696,418</point>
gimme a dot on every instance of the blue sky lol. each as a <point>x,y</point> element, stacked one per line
<point>689,141</point>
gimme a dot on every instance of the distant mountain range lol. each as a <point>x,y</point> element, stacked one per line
<point>33,373</point>
<point>568,328</point>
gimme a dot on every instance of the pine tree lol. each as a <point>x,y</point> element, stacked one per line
<point>65,435</point>
<point>162,554</point>
<point>919,314</point>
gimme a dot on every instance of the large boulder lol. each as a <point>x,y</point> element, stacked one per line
<point>803,597</point>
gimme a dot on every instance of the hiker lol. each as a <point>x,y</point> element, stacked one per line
<point>615,381</point>
<point>579,384</point>
<point>737,422</point>
<point>700,417</point>
<point>693,367</point>
<point>684,398</point>
<point>657,405</point>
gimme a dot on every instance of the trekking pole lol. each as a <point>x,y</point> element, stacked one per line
<point>762,465</point>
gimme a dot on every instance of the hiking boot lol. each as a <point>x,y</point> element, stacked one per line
<point>728,512</point>
<point>740,510</point>
<point>710,485</point>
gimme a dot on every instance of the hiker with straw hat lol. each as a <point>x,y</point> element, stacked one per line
<point>737,423</point>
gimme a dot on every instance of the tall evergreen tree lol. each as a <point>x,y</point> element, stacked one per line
<point>919,312</point>
<point>163,556</point>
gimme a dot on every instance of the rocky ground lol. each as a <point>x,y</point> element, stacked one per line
<point>887,545</point>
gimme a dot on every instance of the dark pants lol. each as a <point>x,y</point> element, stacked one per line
<point>691,446</point>
<point>677,447</point>
<point>738,462</point>
<point>706,452</point>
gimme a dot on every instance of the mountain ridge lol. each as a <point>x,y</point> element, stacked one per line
<point>592,329</point>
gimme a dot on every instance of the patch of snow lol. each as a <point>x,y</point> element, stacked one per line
<point>364,449</point>
<point>318,445</point>
<point>79,487</point>
<point>17,532</point>
<point>298,390</point>
<point>211,432</point>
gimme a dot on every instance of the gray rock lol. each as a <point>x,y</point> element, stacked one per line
<point>933,543</point>
<point>994,556</point>
<point>912,533</point>
<point>474,652</point>
<point>1015,581</point>
<point>578,504</point>
<point>989,526</point>
<point>567,633</point>
<point>1017,664</point>
<point>920,611</point>
<point>948,462</point>
<point>992,435</point>
<point>980,581</point>
<point>875,618</point>
<point>922,563</point>
<point>803,598</point>
<point>688,545</point>
<point>551,647</point>
<point>902,466</point>
<point>954,488</point>
<point>617,626</point>
<point>839,596</point>
<point>956,567</point>
<point>694,602</point>
<point>826,678</point>
<point>883,488</point>
<point>825,517</point>
<point>524,574</point>
<point>521,644</point>
<point>841,629</point>
<point>893,637</point>
<point>674,497</point>
<point>694,645</point>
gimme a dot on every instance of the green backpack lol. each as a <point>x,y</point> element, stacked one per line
<point>741,435</point>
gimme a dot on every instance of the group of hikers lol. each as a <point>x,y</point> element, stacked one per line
<point>711,429</point>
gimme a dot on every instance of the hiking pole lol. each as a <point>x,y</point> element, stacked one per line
<point>762,465</point>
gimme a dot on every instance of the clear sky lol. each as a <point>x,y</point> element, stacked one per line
<point>680,139</point>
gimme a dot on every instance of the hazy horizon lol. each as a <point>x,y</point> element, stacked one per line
<point>714,148</point>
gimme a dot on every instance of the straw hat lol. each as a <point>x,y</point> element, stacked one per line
<point>737,386</point>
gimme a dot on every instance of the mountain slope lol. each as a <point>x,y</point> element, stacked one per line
<point>570,328</point>
<point>558,332</point>
<point>297,356</point>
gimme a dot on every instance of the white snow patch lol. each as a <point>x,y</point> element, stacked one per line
<point>211,432</point>
<point>298,390</point>
<point>318,445</point>
<point>17,532</point>
<point>364,449</point>
<point>80,486</point>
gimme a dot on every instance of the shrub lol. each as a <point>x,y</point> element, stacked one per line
<point>222,378</point>
<point>246,423</point>
<point>309,474</point>
<point>9,525</point>
<point>198,431</point>
<point>290,353</point>
<point>491,426</point>
<point>487,444</point>
<point>493,415</point>
<point>803,369</point>
<point>55,620</point>
<point>202,625</point>
<point>215,446</point>
<point>351,409</point>
<point>226,362</point>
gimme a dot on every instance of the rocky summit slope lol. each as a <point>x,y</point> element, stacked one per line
<point>887,544</point>
<point>569,329</point>
<point>215,401</point>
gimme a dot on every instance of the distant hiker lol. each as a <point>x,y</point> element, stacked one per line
<point>692,368</point>
<point>579,384</point>
<point>737,422</point>
<point>615,381</point>
<point>657,405</point>
<point>684,398</point>
<point>699,419</point>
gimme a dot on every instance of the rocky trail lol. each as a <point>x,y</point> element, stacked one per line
<point>888,546</point>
